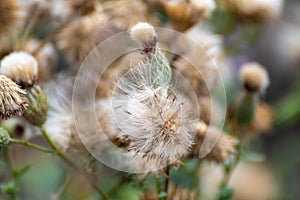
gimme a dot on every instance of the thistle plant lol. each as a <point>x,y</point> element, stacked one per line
<point>156,106</point>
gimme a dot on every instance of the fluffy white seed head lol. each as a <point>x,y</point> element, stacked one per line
<point>254,77</point>
<point>151,114</point>
<point>144,34</point>
<point>21,67</point>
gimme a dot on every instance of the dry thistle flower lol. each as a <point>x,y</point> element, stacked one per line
<point>4,138</point>
<point>261,10</point>
<point>79,37</point>
<point>148,110</point>
<point>13,100</point>
<point>187,13</point>
<point>21,67</point>
<point>254,77</point>
<point>37,106</point>
<point>11,16</point>
<point>255,80</point>
<point>145,35</point>
<point>84,7</point>
<point>117,12</point>
<point>223,149</point>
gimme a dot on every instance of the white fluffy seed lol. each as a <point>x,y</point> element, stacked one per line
<point>144,34</point>
<point>21,67</point>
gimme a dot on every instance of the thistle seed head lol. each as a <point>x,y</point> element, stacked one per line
<point>145,35</point>
<point>13,100</point>
<point>254,77</point>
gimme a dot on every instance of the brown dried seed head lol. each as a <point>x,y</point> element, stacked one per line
<point>254,77</point>
<point>224,144</point>
<point>13,99</point>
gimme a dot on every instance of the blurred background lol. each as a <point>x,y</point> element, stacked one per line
<point>275,44</point>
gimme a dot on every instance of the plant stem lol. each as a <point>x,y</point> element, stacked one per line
<point>31,22</point>
<point>14,193</point>
<point>228,174</point>
<point>31,145</point>
<point>73,165</point>
<point>167,171</point>
<point>228,170</point>
<point>63,187</point>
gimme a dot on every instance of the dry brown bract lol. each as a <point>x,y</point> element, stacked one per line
<point>13,99</point>
<point>223,148</point>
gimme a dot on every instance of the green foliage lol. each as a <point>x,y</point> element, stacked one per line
<point>287,110</point>
<point>4,138</point>
<point>225,193</point>
<point>128,191</point>
<point>186,175</point>
<point>223,21</point>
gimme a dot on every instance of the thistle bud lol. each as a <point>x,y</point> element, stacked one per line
<point>21,67</point>
<point>4,138</point>
<point>38,106</point>
<point>254,77</point>
<point>145,35</point>
<point>13,99</point>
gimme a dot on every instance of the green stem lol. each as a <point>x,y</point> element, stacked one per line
<point>64,186</point>
<point>228,173</point>
<point>158,186</point>
<point>228,170</point>
<point>14,193</point>
<point>73,165</point>
<point>31,145</point>
<point>167,180</point>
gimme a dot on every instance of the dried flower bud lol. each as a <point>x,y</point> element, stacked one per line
<point>254,77</point>
<point>145,35</point>
<point>83,7</point>
<point>186,13</point>
<point>260,10</point>
<point>79,37</point>
<point>13,99</point>
<point>224,145</point>
<point>21,67</point>
<point>38,106</point>
<point>4,138</point>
